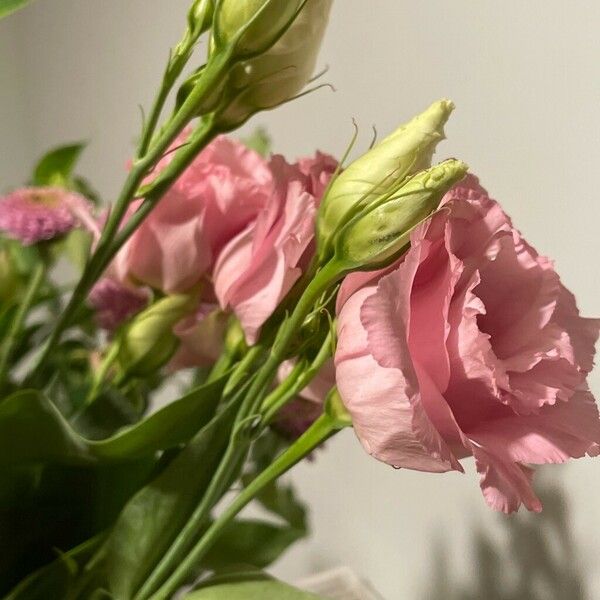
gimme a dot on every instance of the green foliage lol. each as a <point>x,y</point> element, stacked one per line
<point>153,517</point>
<point>257,542</point>
<point>45,509</point>
<point>260,141</point>
<point>33,430</point>
<point>277,497</point>
<point>248,585</point>
<point>56,167</point>
<point>54,580</point>
<point>253,542</point>
<point>8,7</point>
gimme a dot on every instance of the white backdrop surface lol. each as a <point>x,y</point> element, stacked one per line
<point>524,77</point>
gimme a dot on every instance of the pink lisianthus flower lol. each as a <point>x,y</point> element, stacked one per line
<point>37,214</point>
<point>114,302</point>
<point>470,346</point>
<point>201,337</point>
<point>214,199</point>
<point>258,267</point>
<point>319,170</point>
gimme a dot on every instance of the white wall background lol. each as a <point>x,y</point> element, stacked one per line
<point>524,76</point>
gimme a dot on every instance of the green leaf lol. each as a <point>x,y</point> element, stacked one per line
<point>249,586</point>
<point>151,520</point>
<point>56,167</point>
<point>251,542</point>
<point>54,580</point>
<point>259,141</point>
<point>9,6</point>
<point>32,430</point>
<point>44,509</point>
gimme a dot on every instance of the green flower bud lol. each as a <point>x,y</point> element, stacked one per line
<point>380,233</point>
<point>406,151</point>
<point>148,342</point>
<point>200,16</point>
<point>279,73</point>
<point>253,25</point>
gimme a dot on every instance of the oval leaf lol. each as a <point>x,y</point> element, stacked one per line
<point>56,167</point>
<point>32,430</point>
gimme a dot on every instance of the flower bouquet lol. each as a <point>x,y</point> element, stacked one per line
<point>234,309</point>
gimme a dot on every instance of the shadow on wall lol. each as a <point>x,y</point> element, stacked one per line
<point>535,558</point>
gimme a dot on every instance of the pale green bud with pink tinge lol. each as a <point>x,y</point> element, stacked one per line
<point>148,342</point>
<point>282,70</point>
<point>406,151</point>
<point>381,232</point>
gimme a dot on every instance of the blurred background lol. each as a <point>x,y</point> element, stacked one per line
<point>524,77</point>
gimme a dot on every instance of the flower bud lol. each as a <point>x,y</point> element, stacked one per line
<point>278,74</point>
<point>253,25</point>
<point>200,16</point>
<point>149,342</point>
<point>406,151</point>
<point>378,235</point>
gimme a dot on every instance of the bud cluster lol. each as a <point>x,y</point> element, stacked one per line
<point>369,210</point>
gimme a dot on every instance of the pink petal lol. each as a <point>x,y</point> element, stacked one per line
<point>385,403</point>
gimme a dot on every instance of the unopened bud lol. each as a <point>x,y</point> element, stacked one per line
<point>200,15</point>
<point>379,234</point>
<point>406,151</point>
<point>282,70</point>
<point>149,342</point>
<point>253,25</point>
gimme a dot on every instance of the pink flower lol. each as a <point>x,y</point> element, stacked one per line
<point>114,302</point>
<point>214,199</point>
<point>201,335</point>
<point>33,214</point>
<point>258,267</point>
<point>470,346</point>
<point>319,170</point>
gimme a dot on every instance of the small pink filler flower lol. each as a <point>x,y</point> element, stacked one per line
<point>37,214</point>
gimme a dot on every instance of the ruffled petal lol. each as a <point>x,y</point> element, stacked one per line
<point>385,401</point>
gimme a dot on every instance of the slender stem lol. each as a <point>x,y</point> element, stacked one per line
<point>221,366</point>
<point>288,387</point>
<point>323,428</point>
<point>222,479</point>
<point>175,65</point>
<point>319,284</point>
<point>107,246</point>
<point>239,443</point>
<point>12,337</point>
<point>297,382</point>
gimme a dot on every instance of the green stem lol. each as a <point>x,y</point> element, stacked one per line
<point>224,476</point>
<point>323,428</point>
<point>112,238</point>
<point>287,388</point>
<point>12,337</point>
<point>319,284</point>
<point>273,403</point>
<point>221,481</point>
